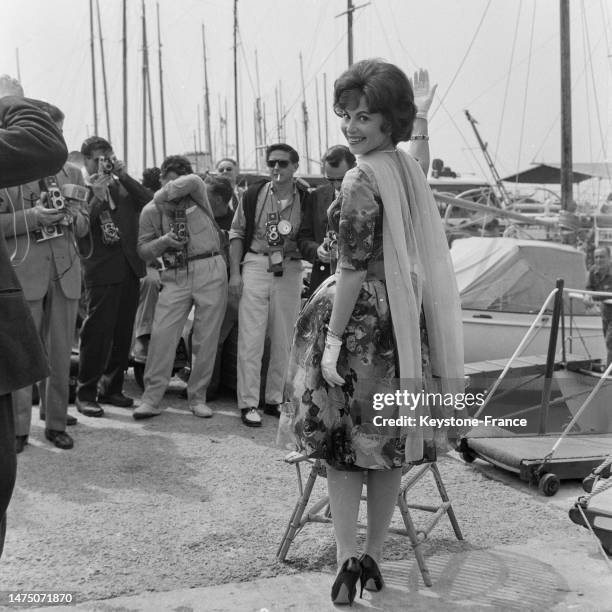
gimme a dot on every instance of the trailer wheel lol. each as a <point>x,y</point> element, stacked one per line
<point>549,484</point>
<point>468,456</point>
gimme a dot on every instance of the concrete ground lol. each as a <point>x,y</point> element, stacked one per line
<point>199,482</point>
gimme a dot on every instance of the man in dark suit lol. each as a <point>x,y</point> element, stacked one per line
<point>112,274</point>
<point>311,237</point>
<point>31,146</point>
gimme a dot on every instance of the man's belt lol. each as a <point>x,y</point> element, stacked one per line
<point>286,256</point>
<point>203,255</point>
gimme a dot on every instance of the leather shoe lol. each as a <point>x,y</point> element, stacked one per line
<point>20,442</point>
<point>89,408</point>
<point>250,417</point>
<point>145,411</point>
<point>116,399</point>
<point>202,410</point>
<point>70,420</point>
<point>272,410</point>
<point>60,438</point>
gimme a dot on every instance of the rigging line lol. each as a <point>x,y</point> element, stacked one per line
<point>484,14</point>
<point>399,35</point>
<point>596,102</point>
<point>501,119</point>
<point>289,108</point>
<point>585,43</point>
<point>575,84</point>
<point>313,43</point>
<point>382,27</point>
<point>522,132</point>
<point>465,140</point>
<point>246,64</point>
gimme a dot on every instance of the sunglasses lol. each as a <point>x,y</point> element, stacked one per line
<point>227,169</point>
<point>282,163</point>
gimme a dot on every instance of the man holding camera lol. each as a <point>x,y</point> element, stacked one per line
<point>263,243</point>
<point>112,273</point>
<point>179,227</point>
<point>40,221</point>
<point>30,146</point>
<point>313,239</point>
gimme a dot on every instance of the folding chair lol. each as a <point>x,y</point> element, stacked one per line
<point>319,512</point>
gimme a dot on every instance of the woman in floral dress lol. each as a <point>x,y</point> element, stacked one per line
<point>387,320</point>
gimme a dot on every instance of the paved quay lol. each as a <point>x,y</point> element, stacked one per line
<point>182,514</point>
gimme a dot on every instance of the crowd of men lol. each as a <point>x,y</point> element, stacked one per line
<point>146,254</point>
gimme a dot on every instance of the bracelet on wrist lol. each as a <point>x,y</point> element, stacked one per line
<point>419,137</point>
<point>421,115</point>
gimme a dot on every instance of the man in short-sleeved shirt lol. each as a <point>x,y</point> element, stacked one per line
<point>266,278</point>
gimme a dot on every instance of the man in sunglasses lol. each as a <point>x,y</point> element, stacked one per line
<point>266,279</point>
<point>313,241</point>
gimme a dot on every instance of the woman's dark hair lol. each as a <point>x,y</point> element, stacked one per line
<point>176,163</point>
<point>219,186</point>
<point>150,178</point>
<point>386,90</point>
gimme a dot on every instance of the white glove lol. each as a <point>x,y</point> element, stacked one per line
<point>329,361</point>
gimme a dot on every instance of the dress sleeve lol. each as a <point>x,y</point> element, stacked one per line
<point>358,215</point>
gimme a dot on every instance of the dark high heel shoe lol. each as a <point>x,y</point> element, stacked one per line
<point>371,578</point>
<point>345,586</point>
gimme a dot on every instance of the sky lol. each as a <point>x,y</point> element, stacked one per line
<point>497,58</point>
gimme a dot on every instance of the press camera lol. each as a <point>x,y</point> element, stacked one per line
<point>54,201</point>
<point>177,258</point>
<point>275,244</point>
<point>106,165</point>
<point>110,232</point>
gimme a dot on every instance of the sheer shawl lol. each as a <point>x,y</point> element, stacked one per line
<point>419,274</point>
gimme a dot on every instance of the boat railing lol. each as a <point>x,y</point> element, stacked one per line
<point>580,294</point>
<point>535,326</point>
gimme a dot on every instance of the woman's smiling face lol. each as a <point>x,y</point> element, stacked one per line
<point>363,130</point>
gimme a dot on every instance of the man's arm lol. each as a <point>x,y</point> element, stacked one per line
<point>140,195</point>
<point>31,146</point>
<point>151,242</point>
<point>306,242</point>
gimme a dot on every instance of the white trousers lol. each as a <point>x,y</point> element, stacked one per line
<point>203,284</point>
<point>269,306</point>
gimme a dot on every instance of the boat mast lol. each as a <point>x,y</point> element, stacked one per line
<point>144,91</point>
<point>148,82</point>
<point>305,116</point>
<point>103,63</point>
<point>125,99</point>
<point>18,67</point>
<point>236,83</point>
<point>318,119</point>
<point>505,198</point>
<point>350,9</point>
<point>325,110</point>
<point>566,110</point>
<point>161,86</point>
<point>93,67</point>
<point>206,102</point>
<point>259,132</point>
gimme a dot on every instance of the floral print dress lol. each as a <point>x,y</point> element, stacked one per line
<point>333,423</point>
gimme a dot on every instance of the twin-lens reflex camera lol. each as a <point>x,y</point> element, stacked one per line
<point>177,258</point>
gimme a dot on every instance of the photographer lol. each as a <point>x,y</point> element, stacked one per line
<point>266,279</point>
<point>178,226</point>
<point>112,273</point>
<point>30,146</point>
<point>40,221</point>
